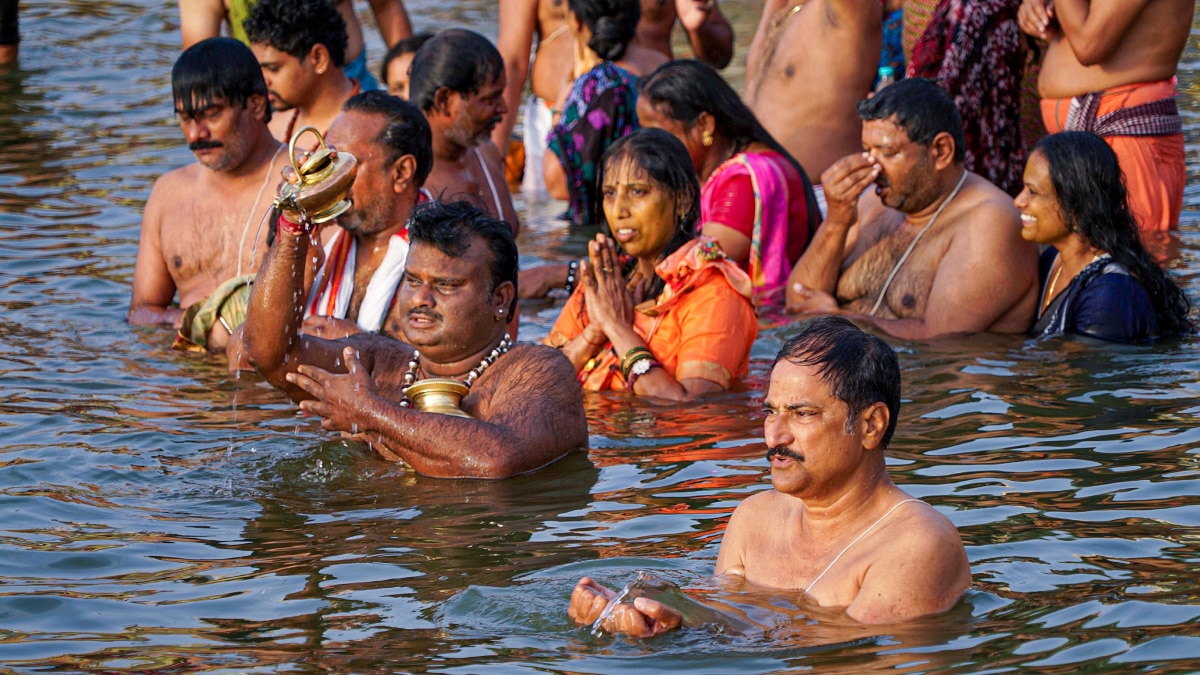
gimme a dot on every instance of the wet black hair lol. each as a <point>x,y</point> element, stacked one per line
<point>408,45</point>
<point>460,59</point>
<point>296,26</point>
<point>613,24</point>
<point>1092,200</point>
<point>859,368</point>
<point>448,226</point>
<point>683,89</point>
<point>921,108</point>
<point>215,69</point>
<point>666,162</point>
<point>406,131</point>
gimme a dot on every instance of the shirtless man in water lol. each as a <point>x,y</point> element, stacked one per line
<point>810,62</point>
<point>201,228</point>
<point>1118,59</point>
<point>457,80</point>
<point>200,19</point>
<point>933,248</point>
<point>834,527</point>
<point>709,33</point>
<point>301,46</point>
<point>458,289</point>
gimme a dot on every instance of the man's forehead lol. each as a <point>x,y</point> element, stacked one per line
<point>199,102</point>
<point>429,259</point>
<point>353,126</point>
<point>886,130</point>
<point>791,381</point>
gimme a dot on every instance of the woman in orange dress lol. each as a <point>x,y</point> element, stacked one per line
<point>657,310</point>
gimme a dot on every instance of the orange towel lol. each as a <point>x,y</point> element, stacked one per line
<point>1155,167</point>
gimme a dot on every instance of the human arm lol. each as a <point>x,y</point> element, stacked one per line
<point>821,264</point>
<point>1095,28</point>
<point>923,570</point>
<point>537,282</point>
<point>271,334</point>
<point>717,328</point>
<point>709,32</point>
<point>1115,308</point>
<point>518,21</point>
<point>392,19</point>
<point>200,19</point>
<point>527,412</point>
<point>329,327</point>
<point>986,272</point>
<point>153,287</point>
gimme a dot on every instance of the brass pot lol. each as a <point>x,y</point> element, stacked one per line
<point>438,395</point>
<point>322,181</point>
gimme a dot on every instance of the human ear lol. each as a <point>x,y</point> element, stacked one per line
<point>320,58</point>
<point>502,298</point>
<point>874,423</point>
<point>403,170</point>
<point>942,149</point>
<point>443,100</point>
<point>257,104</point>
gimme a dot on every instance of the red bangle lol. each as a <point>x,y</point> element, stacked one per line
<point>294,229</point>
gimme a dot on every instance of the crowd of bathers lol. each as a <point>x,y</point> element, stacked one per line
<point>886,167</point>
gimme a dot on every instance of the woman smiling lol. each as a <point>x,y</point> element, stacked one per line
<point>1097,278</point>
<point>672,318</point>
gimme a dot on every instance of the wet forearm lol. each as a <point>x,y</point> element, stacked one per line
<point>821,264</point>
<point>443,446</point>
<point>154,315</point>
<point>276,311</point>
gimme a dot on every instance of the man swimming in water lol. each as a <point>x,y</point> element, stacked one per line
<point>834,527</point>
<point>933,248</point>
<point>200,229</point>
<point>458,290</point>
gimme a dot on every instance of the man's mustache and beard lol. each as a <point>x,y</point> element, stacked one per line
<point>425,312</point>
<point>783,451</point>
<point>279,103</point>
<point>204,145</point>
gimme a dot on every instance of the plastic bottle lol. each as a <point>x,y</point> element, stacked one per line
<point>887,75</point>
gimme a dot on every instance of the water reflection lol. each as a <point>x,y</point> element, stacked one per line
<point>161,516</point>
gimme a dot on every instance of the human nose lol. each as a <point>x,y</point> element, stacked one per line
<point>1021,200</point>
<point>194,130</point>
<point>775,431</point>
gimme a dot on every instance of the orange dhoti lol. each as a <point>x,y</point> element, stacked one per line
<point>1141,124</point>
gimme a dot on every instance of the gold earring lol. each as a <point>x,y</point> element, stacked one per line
<point>706,139</point>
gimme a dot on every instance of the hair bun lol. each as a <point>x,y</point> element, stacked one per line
<point>611,35</point>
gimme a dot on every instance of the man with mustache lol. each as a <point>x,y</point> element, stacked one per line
<point>458,290</point>
<point>932,249</point>
<point>457,79</point>
<point>835,526</point>
<point>301,46</point>
<point>200,229</point>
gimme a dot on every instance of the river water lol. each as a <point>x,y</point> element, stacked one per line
<point>158,516</point>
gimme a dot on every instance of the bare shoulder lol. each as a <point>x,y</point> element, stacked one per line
<point>986,213</point>
<point>767,502</point>
<point>178,180</point>
<point>919,525</point>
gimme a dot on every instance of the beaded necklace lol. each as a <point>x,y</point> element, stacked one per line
<point>414,367</point>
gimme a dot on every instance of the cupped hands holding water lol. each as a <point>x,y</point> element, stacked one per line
<point>641,618</point>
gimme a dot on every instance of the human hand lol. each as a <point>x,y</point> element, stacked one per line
<point>378,444</point>
<point>804,300</point>
<point>337,398</point>
<point>608,298</point>
<point>328,327</point>
<point>844,182</point>
<point>640,619</point>
<point>1036,18</point>
<point>694,13</point>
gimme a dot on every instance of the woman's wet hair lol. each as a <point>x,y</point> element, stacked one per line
<point>664,160</point>
<point>1093,203</point>
<point>613,24</point>
<point>682,90</point>
<point>859,368</point>
<point>449,226</point>
<point>296,26</point>
<point>921,108</point>
<point>460,59</point>
<point>408,45</point>
<point>405,130</point>
<point>216,69</point>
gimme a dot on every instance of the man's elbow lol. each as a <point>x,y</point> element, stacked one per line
<point>1092,50</point>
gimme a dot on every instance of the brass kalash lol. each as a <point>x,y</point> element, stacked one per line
<point>317,192</point>
<point>318,189</point>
